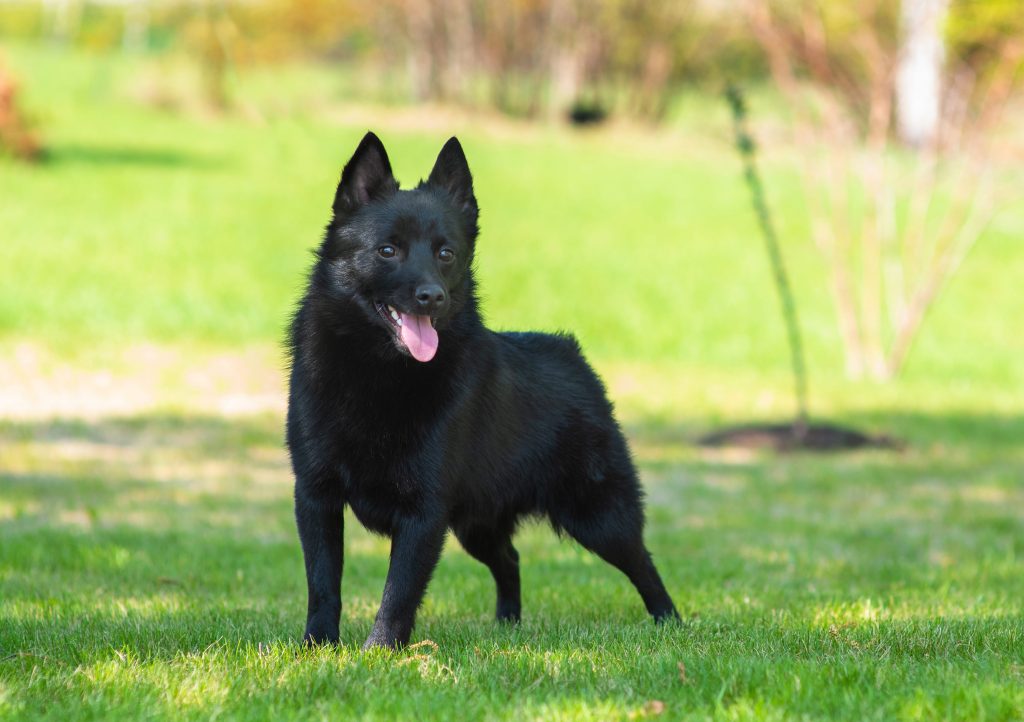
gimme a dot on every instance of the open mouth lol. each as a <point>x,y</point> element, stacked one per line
<point>415,333</point>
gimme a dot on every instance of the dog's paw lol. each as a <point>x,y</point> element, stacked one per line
<point>508,613</point>
<point>379,641</point>
<point>668,616</point>
<point>388,636</point>
<point>318,636</point>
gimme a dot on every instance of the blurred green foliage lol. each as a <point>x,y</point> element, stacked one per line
<point>524,57</point>
<point>977,28</point>
<point>154,226</point>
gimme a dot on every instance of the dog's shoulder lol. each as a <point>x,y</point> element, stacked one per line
<point>554,357</point>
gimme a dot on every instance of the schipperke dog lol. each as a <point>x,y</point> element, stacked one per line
<point>403,406</point>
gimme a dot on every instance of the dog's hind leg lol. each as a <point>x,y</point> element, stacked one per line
<point>615,533</point>
<point>494,548</point>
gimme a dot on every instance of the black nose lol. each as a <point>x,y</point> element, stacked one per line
<point>430,297</point>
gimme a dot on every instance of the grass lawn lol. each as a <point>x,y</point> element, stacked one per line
<point>149,565</point>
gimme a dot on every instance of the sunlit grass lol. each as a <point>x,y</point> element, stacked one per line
<point>149,565</point>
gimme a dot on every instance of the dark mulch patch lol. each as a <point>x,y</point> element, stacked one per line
<point>819,437</point>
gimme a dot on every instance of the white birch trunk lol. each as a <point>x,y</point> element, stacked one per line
<point>919,75</point>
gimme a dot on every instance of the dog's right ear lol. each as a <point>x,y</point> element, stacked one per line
<point>367,176</point>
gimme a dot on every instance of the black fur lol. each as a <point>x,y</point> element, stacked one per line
<point>494,428</point>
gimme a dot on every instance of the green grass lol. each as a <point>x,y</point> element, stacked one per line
<point>150,569</point>
<point>149,565</point>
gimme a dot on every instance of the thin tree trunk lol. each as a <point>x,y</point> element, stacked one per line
<point>919,75</point>
<point>748,149</point>
<point>565,62</point>
<point>420,61</point>
<point>458,28</point>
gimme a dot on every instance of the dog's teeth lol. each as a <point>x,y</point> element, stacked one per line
<point>399,321</point>
<point>394,314</point>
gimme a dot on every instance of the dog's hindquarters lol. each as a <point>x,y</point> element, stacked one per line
<point>600,505</point>
<point>590,490</point>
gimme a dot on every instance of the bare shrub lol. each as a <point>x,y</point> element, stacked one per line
<point>893,223</point>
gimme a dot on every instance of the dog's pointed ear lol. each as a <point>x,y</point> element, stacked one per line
<point>367,176</point>
<point>451,173</point>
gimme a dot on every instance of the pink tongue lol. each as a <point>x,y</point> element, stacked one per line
<point>419,336</point>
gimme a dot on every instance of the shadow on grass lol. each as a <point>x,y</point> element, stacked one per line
<point>184,432</point>
<point>922,432</point>
<point>150,565</point>
<point>126,156</point>
<point>174,520</point>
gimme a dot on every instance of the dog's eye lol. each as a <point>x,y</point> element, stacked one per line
<point>446,255</point>
<point>387,251</point>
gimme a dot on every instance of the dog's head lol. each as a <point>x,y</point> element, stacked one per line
<point>403,257</point>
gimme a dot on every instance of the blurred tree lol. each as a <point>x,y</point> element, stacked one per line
<point>16,135</point>
<point>135,36</point>
<point>541,57</point>
<point>208,34</point>
<point>747,149</point>
<point>800,433</point>
<point>651,44</point>
<point>64,18</point>
<point>534,58</point>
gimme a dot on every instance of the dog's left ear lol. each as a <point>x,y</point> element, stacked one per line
<point>451,173</point>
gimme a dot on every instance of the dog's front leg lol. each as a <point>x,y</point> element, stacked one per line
<point>321,530</point>
<point>416,544</point>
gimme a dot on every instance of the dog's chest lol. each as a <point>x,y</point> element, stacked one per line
<point>384,460</point>
<point>380,484</point>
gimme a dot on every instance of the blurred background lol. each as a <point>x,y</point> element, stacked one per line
<point>836,239</point>
<point>169,163</point>
<point>179,157</point>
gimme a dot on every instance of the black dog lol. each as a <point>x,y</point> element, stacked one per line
<point>403,406</point>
